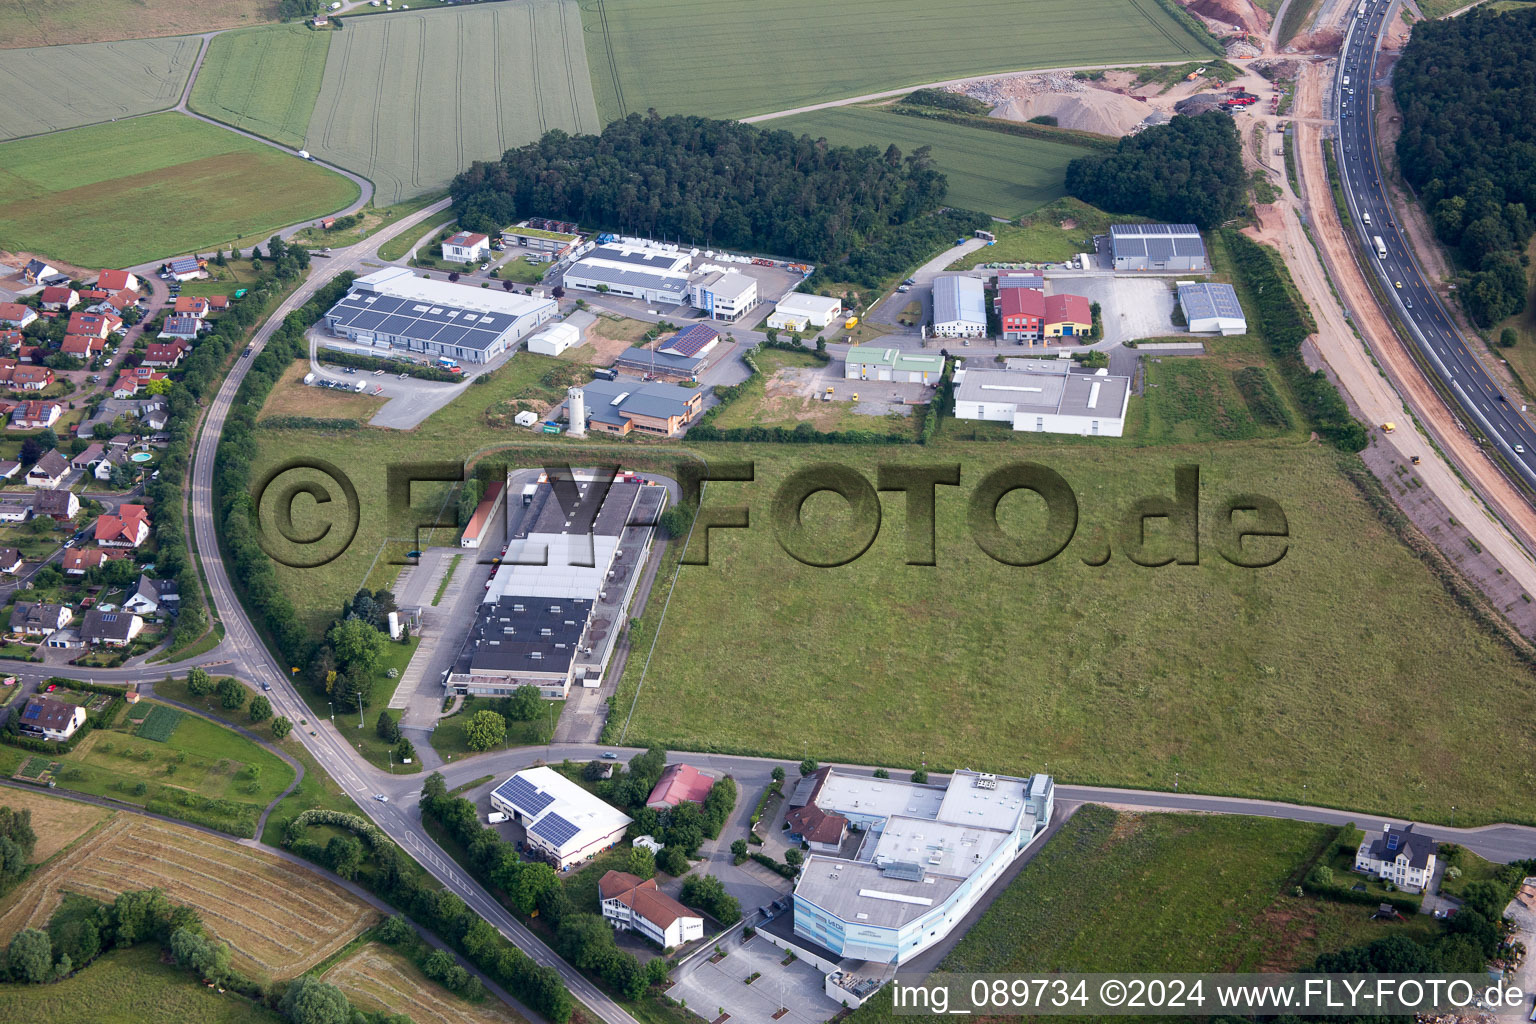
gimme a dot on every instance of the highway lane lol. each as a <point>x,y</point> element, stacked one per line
<point>1431,328</point>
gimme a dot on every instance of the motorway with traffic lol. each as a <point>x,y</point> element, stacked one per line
<point>1434,333</point>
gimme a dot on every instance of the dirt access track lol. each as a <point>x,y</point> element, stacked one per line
<point>1362,379</point>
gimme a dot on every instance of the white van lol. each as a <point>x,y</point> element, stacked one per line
<point>497,817</point>
<point>1346,79</point>
<point>1367,218</point>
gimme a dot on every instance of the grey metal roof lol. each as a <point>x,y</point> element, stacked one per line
<point>1046,392</point>
<point>525,634</point>
<point>608,520</point>
<point>1156,241</point>
<point>420,320</point>
<point>1204,300</point>
<point>643,398</point>
<point>959,298</point>
<point>644,359</point>
<point>657,280</point>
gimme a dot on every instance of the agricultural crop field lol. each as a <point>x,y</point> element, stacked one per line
<point>115,195</point>
<point>264,80</point>
<point>997,174</point>
<point>129,986</point>
<point>781,54</point>
<point>56,22</point>
<point>377,977</point>
<point>57,87</point>
<point>1163,892</point>
<point>159,723</point>
<point>411,99</point>
<point>278,918</point>
<point>57,822</point>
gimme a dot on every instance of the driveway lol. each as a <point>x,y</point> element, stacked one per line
<point>922,289</point>
<point>712,988</point>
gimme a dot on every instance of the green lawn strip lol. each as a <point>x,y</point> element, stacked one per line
<point>397,247</point>
<point>71,206</point>
<point>1296,17</point>
<point>1002,175</point>
<point>1052,234</point>
<point>263,80</point>
<point>1211,893</point>
<point>798,52</point>
<point>448,737</point>
<point>315,789</point>
<point>371,220</point>
<point>129,986</point>
<point>207,642</point>
<point>367,740</point>
<point>210,705</point>
<point>453,564</point>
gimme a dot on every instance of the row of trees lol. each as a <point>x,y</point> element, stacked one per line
<point>1189,170</point>
<point>17,841</point>
<point>717,183</point>
<point>1466,87</point>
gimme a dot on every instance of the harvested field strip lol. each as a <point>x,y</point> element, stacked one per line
<point>378,978</point>
<point>56,822</point>
<point>394,106</point>
<point>278,918</point>
<point>56,87</point>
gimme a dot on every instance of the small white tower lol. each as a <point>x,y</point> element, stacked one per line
<point>577,412</point>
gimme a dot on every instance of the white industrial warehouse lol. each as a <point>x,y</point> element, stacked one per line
<point>799,310</point>
<point>1043,395</point>
<point>563,822</point>
<point>959,307</point>
<point>1157,247</point>
<point>554,339</point>
<point>1211,308</point>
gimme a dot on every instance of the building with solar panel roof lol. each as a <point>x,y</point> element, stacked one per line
<point>396,310</point>
<point>1157,247</point>
<point>1211,308</point>
<point>917,858</point>
<point>561,821</point>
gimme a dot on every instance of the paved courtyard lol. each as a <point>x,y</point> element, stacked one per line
<point>798,987</point>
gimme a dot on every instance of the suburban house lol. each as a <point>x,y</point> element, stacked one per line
<point>156,414</point>
<point>122,300</point>
<point>152,596</point>
<point>49,471</point>
<point>15,511</point>
<point>184,327</point>
<point>96,325</point>
<point>633,905</point>
<point>186,268</point>
<point>35,619</point>
<point>24,378</point>
<point>466,247</point>
<point>36,272</point>
<point>821,830</point>
<point>127,529</point>
<point>49,719</point>
<point>82,346</point>
<point>93,295</point>
<point>8,468</point>
<point>191,305</point>
<point>104,467</point>
<point>649,408</point>
<point>164,355</point>
<point>59,297</point>
<point>1023,313</point>
<point>876,362</point>
<point>799,310</point>
<point>62,504</point>
<point>131,380</point>
<point>10,560</point>
<point>959,307</point>
<point>218,303</point>
<point>114,629</point>
<point>89,457</point>
<point>14,314</point>
<point>36,415</point>
<point>1067,316</point>
<point>117,280</point>
<point>1399,855</point>
<point>79,561</point>
<point>680,783</point>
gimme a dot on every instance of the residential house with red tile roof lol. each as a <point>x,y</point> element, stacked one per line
<point>82,346</point>
<point>117,280</point>
<point>127,529</point>
<point>680,783</point>
<point>25,378</point>
<point>191,305</point>
<point>635,905</point>
<point>10,339</point>
<point>122,300</point>
<point>93,295</point>
<point>98,325</point>
<point>218,303</point>
<point>36,415</point>
<point>79,561</point>
<point>15,314</point>
<point>59,297</point>
<point>466,247</point>
<point>163,354</point>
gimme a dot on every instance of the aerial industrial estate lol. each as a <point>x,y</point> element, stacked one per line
<point>630,537</point>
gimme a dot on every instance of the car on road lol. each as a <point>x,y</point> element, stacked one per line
<point>403,376</point>
<point>1399,284</point>
<point>266,686</point>
<point>609,755</point>
<point>381,798</point>
<point>1520,449</point>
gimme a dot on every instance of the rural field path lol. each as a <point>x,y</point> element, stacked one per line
<point>887,94</point>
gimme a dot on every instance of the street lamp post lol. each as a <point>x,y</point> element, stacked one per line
<point>332,706</point>
<point>359,710</point>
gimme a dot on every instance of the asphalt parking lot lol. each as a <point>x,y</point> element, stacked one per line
<point>1132,307</point>
<point>797,988</point>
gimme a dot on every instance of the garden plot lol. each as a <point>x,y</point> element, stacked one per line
<point>278,918</point>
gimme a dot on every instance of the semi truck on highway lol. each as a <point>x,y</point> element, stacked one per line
<point>1381,247</point>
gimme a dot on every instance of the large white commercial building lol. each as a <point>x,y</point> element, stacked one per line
<point>1211,308</point>
<point>554,339</point>
<point>928,853</point>
<point>799,310</point>
<point>724,294</point>
<point>652,275</point>
<point>1045,396</point>
<point>563,822</point>
<point>959,307</point>
<point>393,309</point>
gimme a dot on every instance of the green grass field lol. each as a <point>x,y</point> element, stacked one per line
<point>119,194</point>
<point>448,738</point>
<point>411,99</point>
<point>264,80</point>
<point>780,54</point>
<point>1199,399</point>
<point>1165,893</point>
<point>58,87</point>
<point>56,22</point>
<point>1050,234</point>
<point>1002,175</point>
<point>129,986</point>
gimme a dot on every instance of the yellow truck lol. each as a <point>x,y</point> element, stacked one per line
<point>1387,428</point>
<point>850,323</point>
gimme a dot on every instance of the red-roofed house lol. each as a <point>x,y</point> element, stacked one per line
<point>218,303</point>
<point>15,314</point>
<point>1067,316</point>
<point>163,354</point>
<point>9,340</point>
<point>59,297</point>
<point>1023,312</point>
<point>27,354</point>
<point>121,300</point>
<point>822,830</point>
<point>98,325</point>
<point>466,247</point>
<point>82,346</point>
<point>79,561</point>
<point>93,294</point>
<point>25,378</point>
<point>191,305</point>
<point>680,783</point>
<point>128,529</point>
<point>117,280</point>
<point>629,903</point>
<point>36,415</point>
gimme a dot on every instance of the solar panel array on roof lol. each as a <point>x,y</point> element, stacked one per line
<point>420,321</point>
<point>1157,244</point>
<point>32,712</point>
<point>523,795</point>
<point>555,829</point>
<point>640,257</point>
<point>907,871</point>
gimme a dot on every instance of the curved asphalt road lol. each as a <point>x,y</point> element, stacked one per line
<point>1444,350</point>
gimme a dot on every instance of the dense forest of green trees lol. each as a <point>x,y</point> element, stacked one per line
<point>1467,87</point>
<point>721,183</point>
<point>1189,171</point>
